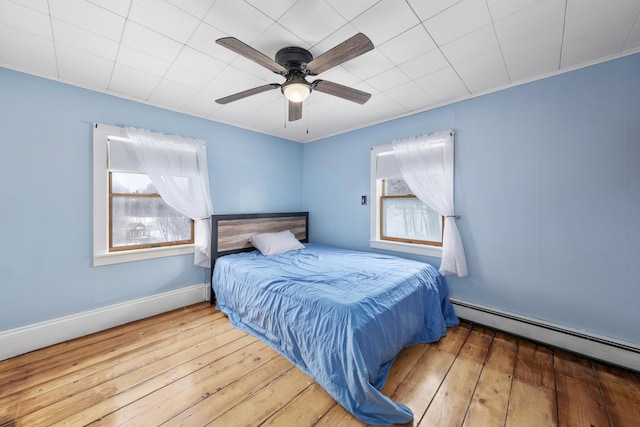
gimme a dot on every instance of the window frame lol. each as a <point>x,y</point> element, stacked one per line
<point>381,197</point>
<point>113,195</point>
<point>375,240</point>
<point>101,212</point>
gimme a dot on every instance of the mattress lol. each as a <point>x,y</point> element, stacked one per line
<point>341,316</point>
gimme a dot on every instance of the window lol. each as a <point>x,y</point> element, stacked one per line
<point>139,218</point>
<point>399,220</point>
<point>404,218</point>
<point>130,220</point>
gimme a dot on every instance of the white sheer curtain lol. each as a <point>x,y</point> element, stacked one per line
<point>177,167</point>
<point>422,163</point>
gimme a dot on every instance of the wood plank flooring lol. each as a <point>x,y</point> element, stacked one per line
<point>190,367</point>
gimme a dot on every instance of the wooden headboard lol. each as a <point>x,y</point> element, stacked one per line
<point>230,233</point>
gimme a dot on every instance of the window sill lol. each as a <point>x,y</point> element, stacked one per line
<point>431,251</point>
<point>140,254</point>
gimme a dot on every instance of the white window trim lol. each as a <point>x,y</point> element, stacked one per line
<point>101,254</point>
<point>374,235</point>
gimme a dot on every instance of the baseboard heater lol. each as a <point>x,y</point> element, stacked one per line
<point>624,354</point>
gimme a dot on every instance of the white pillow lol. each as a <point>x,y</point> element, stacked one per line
<point>275,243</point>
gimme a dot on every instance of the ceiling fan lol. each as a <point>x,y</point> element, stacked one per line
<point>294,64</point>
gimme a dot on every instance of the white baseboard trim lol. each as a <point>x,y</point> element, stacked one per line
<point>22,340</point>
<point>615,352</point>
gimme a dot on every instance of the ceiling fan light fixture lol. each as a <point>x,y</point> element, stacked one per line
<point>296,92</point>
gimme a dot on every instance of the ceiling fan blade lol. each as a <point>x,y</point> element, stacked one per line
<point>295,111</point>
<point>248,52</point>
<point>341,91</point>
<point>245,93</point>
<point>348,49</point>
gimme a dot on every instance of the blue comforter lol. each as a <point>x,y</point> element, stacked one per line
<point>340,316</point>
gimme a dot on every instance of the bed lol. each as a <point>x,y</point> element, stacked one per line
<point>341,316</point>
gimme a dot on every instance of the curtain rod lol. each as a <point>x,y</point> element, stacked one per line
<point>451,133</point>
<point>119,138</point>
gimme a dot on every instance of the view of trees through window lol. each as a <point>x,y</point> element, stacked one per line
<point>140,218</point>
<point>405,217</point>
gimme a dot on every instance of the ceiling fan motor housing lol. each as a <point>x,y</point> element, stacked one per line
<point>294,58</point>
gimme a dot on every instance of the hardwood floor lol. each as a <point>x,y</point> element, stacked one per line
<point>191,367</point>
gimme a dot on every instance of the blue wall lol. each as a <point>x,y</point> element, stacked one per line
<point>548,185</point>
<point>46,195</point>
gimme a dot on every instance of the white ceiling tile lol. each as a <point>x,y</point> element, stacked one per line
<point>470,45</point>
<point>271,105</point>
<point>232,80</point>
<point>337,120</point>
<point>319,101</point>
<point>371,111</point>
<point>27,52</point>
<point>388,79</point>
<point>39,5</point>
<point>340,75</point>
<point>271,115</point>
<point>541,18</point>
<point>333,40</point>
<point>577,8</point>
<point>275,38</point>
<point>150,42</point>
<point>204,40</point>
<point>236,111</point>
<point>196,61</point>
<point>272,8</point>
<point>336,115</point>
<point>351,9</point>
<point>364,86</point>
<point>501,8</point>
<point>633,41</point>
<point>597,29</point>
<point>427,63</point>
<point>83,68</point>
<point>460,19</point>
<point>238,19</point>
<point>381,107</point>
<point>186,77</point>
<point>201,104</point>
<point>531,39</point>
<point>378,26</point>
<point>535,55</point>
<point>25,19</point>
<point>88,16</point>
<point>197,8</point>
<point>84,40</point>
<point>132,83</point>
<point>216,90</point>
<point>312,20</point>
<point>408,45</point>
<point>619,11</point>
<point>411,96</point>
<point>164,18</point>
<point>483,72</point>
<point>171,94</point>
<point>368,65</point>
<point>119,7</point>
<point>257,71</point>
<point>444,85</point>
<point>142,62</point>
<point>428,9</point>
